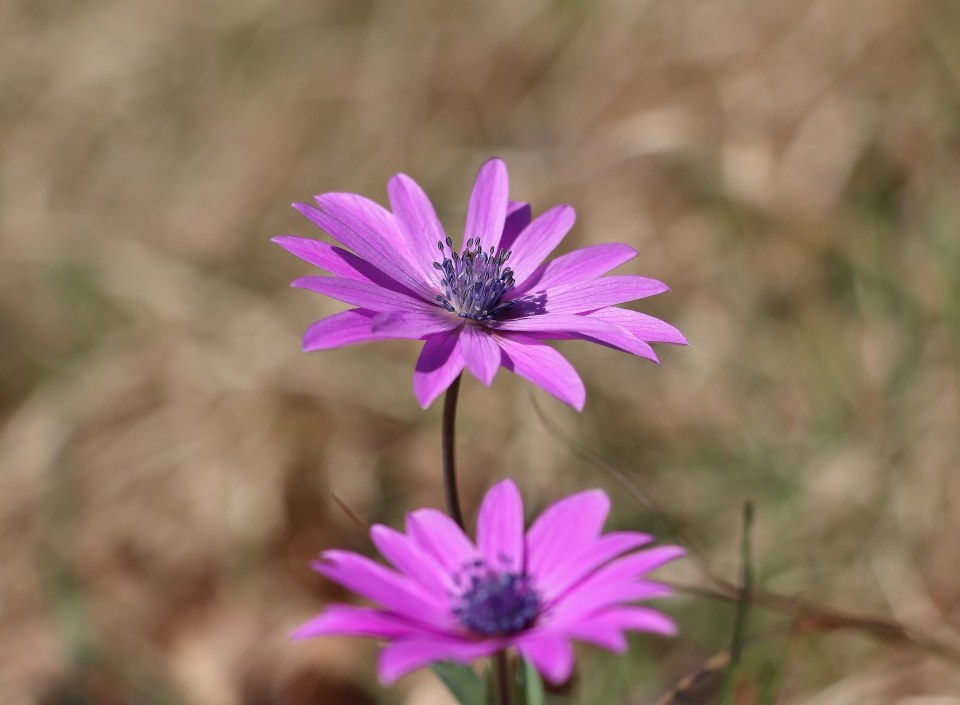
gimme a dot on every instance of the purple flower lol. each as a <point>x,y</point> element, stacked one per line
<point>486,305</point>
<point>451,599</point>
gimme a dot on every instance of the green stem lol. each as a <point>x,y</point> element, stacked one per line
<point>502,667</point>
<point>448,445</point>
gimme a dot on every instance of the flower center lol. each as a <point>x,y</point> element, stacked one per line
<point>473,282</point>
<point>496,602</point>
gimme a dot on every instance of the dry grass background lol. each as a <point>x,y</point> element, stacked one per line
<point>169,458</point>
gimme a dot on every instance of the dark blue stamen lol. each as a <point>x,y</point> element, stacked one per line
<point>495,602</point>
<point>474,281</point>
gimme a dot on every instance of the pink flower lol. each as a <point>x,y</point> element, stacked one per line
<point>472,308</point>
<point>448,598</point>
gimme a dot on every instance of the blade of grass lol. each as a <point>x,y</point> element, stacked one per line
<point>743,607</point>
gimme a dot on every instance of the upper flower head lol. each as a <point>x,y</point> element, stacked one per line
<point>486,305</point>
<point>449,598</point>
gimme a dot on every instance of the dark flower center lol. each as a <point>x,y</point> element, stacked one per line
<point>496,602</point>
<point>473,282</point>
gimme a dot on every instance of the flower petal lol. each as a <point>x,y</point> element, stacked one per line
<point>518,218</point>
<point>411,560</point>
<point>439,364</point>
<point>487,211</point>
<point>363,294</point>
<point>418,222</point>
<point>539,239</point>
<point>337,261</point>
<point>400,657</point>
<point>386,252</point>
<point>644,327</point>
<point>542,365</point>
<point>577,266</point>
<point>344,328</point>
<point>480,353</point>
<point>500,527</point>
<point>600,293</point>
<point>348,620</point>
<point>606,628</point>
<point>567,527</point>
<point>567,325</point>
<point>567,569</point>
<point>552,655</point>
<point>375,582</point>
<point>439,536</point>
<point>412,324</point>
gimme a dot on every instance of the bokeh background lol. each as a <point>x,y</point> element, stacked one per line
<point>171,461</point>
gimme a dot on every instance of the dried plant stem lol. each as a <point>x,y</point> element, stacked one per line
<point>448,445</point>
<point>501,665</point>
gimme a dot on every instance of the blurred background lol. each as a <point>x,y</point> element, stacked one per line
<point>170,459</point>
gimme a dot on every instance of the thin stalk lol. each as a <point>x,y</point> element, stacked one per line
<point>504,682</point>
<point>448,445</point>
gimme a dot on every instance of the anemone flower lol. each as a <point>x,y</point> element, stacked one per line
<point>487,305</point>
<point>448,598</point>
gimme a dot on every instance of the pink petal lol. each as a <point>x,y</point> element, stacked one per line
<point>411,560</point>
<point>439,364</point>
<point>438,535</point>
<point>542,365</point>
<point>337,261</point>
<point>569,568</point>
<point>644,327</point>
<point>539,239</point>
<point>395,592</point>
<point>605,629</point>
<point>577,266</point>
<point>552,655</point>
<point>363,294</point>
<point>406,655</point>
<point>385,251</point>
<point>418,222</point>
<point>344,328</point>
<point>480,353</point>
<point>600,293</point>
<point>412,324</point>
<point>567,325</point>
<point>518,218</point>
<point>348,620</point>
<point>487,211</point>
<point>500,527</point>
<point>567,527</point>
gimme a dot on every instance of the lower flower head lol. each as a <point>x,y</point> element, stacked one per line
<point>450,598</point>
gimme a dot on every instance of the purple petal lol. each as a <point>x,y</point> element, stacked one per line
<point>348,620</point>
<point>362,294</point>
<point>487,211</point>
<point>569,568</point>
<point>606,628</point>
<point>387,253</point>
<point>344,328</point>
<point>500,527</point>
<point>566,326</point>
<point>542,365</point>
<point>577,266</point>
<point>518,218</point>
<point>418,222</point>
<point>567,527</point>
<point>644,327</point>
<point>439,536</point>
<point>552,655</point>
<point>439,364</point>
<point>400,657</point>
<point>375,582</point>
<point>337,261</point>
<point>539,239</point>
<point>600,293</point>
<point>412,324</point>
<point>481,354</point>
<point>407,557</point>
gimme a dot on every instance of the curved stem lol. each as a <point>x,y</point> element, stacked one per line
<point>448,444</point>
<point>502,666</point>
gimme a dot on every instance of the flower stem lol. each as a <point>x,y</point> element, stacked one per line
<point>502,666</point>
<point>448,444</point>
